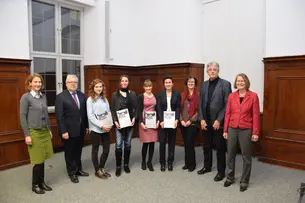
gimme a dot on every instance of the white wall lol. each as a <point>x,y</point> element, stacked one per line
<point>234,36</point>
<point>145,32</point>
<point>14,29</point>
<point>285,27</point>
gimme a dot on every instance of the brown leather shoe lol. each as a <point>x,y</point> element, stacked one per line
<point>100,174</point>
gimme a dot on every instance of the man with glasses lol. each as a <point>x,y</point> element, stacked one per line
<point>72,121</point>
<point>212,105</point>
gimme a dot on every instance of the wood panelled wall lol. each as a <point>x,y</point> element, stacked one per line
<point>110,74</point>
<point>13,150</point>
<point>283,137</point>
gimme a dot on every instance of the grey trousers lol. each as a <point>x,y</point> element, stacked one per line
<point>243,137</point>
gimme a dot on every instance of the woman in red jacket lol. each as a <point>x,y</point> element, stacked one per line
<point>241,126</point>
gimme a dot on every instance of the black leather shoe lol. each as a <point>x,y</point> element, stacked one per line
<point>126,169</point>
<point>219,177</point>
<point>191,169</point>
<point>143,166</point>
<point>184,167</point>
<point>243,188</point>
<point>118,171</point>
<point>162,167</point>
<point>150,166</point>
<point>82,173</point>
<point>203,171</point>
<point>45,187</point>
<point>74,179</point>
<point>37,189</point>
<point>227,183</point>
<point>170,167</point>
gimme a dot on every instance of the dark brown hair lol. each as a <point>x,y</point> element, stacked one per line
<point>30,79</point>
<point>246,79</point>
<point>91,89</point>
<point>190,77</point>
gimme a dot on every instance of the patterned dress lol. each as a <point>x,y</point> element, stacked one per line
<point>149,135</point>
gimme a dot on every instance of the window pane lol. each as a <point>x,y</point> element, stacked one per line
<point>70,31</point>
<point>46,67</point>
<point>43,26</point>
<point>71,67</point>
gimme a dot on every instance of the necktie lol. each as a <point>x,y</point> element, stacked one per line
<point>75,99</point>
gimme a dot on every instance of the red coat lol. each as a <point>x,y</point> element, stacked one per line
<point>245,115</point>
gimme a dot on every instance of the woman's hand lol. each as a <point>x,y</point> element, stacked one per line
<point>188,123</point>
<point>157,125</point>
<point>143,126</point>
<point>175,124</point>
<point>133,121</point>
<point>254,138</point>
<point>117,125</point>
<point>225,135</point>
<point>183,123</point>
<point>162,124</point>
<point>28,140</point>
<point>51,135</point>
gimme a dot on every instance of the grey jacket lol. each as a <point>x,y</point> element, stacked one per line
<point>33,113</point>
<point>218,101</point>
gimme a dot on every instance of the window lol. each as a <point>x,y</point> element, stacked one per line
<point>56,44</point>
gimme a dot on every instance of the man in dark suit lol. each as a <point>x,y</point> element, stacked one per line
<point>212,105</point>
<point>72,121</point>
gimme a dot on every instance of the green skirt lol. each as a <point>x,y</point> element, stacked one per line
<point>41,148</point>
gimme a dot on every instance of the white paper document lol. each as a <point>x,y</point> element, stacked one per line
<point>169,119</point>
<point>150,119</point>
<point>124,118</point>
<point>105,118</point>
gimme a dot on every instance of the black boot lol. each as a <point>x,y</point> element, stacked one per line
<point>118,157</point>
<point>42,184</point>
<point>126,161</point>
<point>35,180</point>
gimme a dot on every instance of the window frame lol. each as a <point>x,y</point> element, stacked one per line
<point>58,55</point>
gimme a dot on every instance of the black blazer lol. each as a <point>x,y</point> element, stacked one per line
<point>140,107</point>
<point>218,101</point>
<point>70,118</point>
<point>162,104</point>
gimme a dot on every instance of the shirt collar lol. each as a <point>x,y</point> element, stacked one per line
<point>35,95</point>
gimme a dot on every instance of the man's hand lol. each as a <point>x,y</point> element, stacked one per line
<point>216,125</point>
<point>65,136</point>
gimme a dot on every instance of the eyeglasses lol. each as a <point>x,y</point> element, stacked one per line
<point>72,82</point>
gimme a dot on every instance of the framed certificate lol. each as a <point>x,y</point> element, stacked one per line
<point>169,119</point>
<point>150,119</point>
<point>124,118</point>
<point>105,118</point>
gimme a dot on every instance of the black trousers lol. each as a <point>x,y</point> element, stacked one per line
<point>209,136</point>
<point>73,151</point>
<point>169,135</point>
<point>96,140</point>
<point>189,134</point>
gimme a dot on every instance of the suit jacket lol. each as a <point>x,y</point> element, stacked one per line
<point>162,104</point>
<point>70,118</point>
<point>244,115</point>
<point>218,101</point>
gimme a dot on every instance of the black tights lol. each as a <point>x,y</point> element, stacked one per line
<point>151,151</point>
<point>38,174</point>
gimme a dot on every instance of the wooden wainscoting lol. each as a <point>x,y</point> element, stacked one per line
<point>110,74</point>
<point>13,150</point>
<point>283,137</point>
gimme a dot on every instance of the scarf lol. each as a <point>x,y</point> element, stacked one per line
<point>193,99</point>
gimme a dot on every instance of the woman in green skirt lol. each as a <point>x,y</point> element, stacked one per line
<point>36,127</point>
